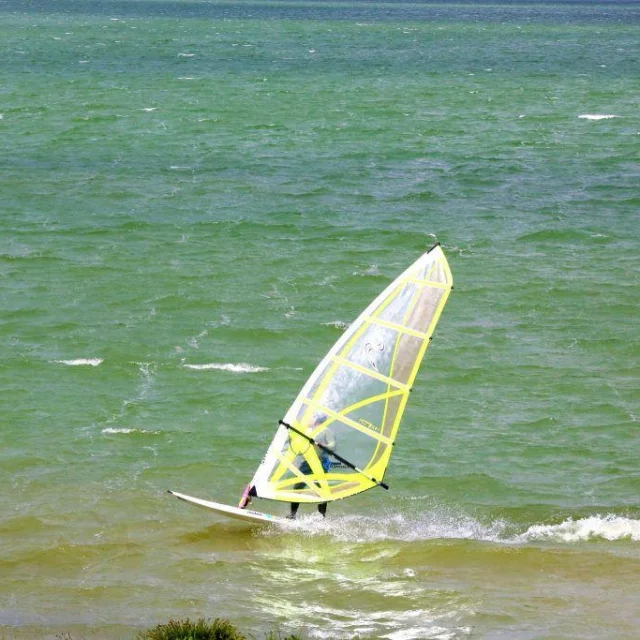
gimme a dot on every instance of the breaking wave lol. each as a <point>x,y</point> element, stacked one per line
<point>443,524</point>
<point>336,324</point>
<point>428,525</point>
<point>241,367</point>
<point>598,116</point>
<point>125,430</point>
<point>371,270</point>
<point>609,527</point>
<point>81,362</point>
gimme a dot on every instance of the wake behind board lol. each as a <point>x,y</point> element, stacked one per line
<point>247,515</point>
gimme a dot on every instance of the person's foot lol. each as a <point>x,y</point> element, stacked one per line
<point>245,501</point>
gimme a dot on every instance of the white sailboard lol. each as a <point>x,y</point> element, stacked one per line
<point>248,515</point>
<point>336,439</point>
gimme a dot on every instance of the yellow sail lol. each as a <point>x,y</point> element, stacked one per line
<point>336,439</point>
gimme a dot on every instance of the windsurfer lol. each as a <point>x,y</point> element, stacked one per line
<point>328,441</point>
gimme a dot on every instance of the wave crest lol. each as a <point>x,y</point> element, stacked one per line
<point>126,430</point>
<point>425,526</point>
<point>241,367</point>
<point>598,116</point>
<point>447,524</point>
<point>609,527</point>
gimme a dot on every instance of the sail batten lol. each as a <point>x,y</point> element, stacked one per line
<point>369,372</point>
<point>351,423</point>
<point>397,327</point>
<point>427,283</point>
<point>351,407</point>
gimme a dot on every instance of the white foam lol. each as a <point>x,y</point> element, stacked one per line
<point>609,527</point>
<point>346,622</point>
<point>81,362</point>
<point>241,367</point>
<point>328,281</point>
<point>338,324</point>
<point>433,524</point>
<point>372,270</point>
<point>444,523</point>
<point>124,430</point>
<point>598,116</point>
<point>186,55</point>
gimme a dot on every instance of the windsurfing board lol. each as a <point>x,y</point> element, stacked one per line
<point>248,515</point>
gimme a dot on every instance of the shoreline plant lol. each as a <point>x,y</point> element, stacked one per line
<point>202,629</point>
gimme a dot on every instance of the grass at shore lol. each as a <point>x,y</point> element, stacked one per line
<point>202,629</point>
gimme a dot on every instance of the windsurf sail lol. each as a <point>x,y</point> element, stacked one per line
<point>337,437</point>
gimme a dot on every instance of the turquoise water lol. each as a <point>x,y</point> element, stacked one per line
<point>197,197</point>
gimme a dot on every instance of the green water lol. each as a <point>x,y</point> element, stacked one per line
<point>198,196</point>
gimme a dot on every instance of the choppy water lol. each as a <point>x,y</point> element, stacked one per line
<point>197,197</point>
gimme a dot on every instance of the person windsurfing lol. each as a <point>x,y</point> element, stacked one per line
<point>328,442</point>
<point>325,443</point>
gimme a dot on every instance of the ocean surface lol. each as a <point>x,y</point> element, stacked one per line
<point>198,197</point>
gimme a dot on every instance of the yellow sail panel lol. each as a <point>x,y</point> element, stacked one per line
<point>337,437</point>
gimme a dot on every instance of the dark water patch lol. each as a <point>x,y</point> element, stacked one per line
<point>467,484</point>
<point>511,559</point>
<point>17,462</point>
<point>18,525</point>
<point>424,195</point>
<point>563,236</point>
<point>225,535</point>
<point>569,11</point>
<point>65,560</point>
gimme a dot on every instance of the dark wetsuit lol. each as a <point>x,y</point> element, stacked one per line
<point>304,468</point>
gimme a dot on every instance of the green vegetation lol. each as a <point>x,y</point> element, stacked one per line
<point>202,629</point>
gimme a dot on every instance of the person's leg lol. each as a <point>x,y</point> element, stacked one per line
<point>322,508</point>
<point>249,493</point>
<point>296,505</point>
